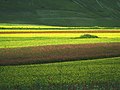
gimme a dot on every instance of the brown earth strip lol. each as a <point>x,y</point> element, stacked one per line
<point>77,31</point>
<point>55,53</point>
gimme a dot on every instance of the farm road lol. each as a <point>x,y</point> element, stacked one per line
<point>57,53</point>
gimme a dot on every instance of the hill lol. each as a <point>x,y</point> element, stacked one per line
<point>61,12</point>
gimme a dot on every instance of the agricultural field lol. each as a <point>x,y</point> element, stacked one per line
<point>57,53</point>
<point>24,36</point>
<point>60,45</point>
<point>57,58</point>
<point>97,74</point>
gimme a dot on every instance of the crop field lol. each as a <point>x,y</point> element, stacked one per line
<point>58,53</point>
<point>56,58</point>
<point>5,26</point>
<point>12,42</point>
<point>97,74</point>
<point>60,45</point>
<point>25,38</point>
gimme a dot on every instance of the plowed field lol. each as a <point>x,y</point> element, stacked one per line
<point>55,53</point>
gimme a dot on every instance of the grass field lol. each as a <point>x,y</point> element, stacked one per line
<point>61,12</point>
<point>97,74</point>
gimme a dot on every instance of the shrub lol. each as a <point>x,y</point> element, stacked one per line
<point>88,36</point>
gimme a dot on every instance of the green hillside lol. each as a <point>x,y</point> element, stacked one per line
<point>61,12</point>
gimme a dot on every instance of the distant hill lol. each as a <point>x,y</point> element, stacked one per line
<point>61,12</point>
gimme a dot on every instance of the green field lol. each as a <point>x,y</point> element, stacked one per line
<point>28,26</point>
<point>34,30</point>
<point>24,40</point>
<point>97,74</point>
<point>61,12</point>
<point>40,39</point>
<point>32,27</point>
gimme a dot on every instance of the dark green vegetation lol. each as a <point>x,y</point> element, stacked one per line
<point>88,36</point>
<point>97,74</point>
<point>61,12</point>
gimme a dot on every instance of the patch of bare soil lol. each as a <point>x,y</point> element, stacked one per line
<point>58,53</point>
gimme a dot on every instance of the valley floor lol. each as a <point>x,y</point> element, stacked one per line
<point>35,60</point>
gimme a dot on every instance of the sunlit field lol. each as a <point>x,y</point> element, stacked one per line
<point>41,39</point>
<point>83,74</point>
<point>101,35</point>
<point>29,26</point>
<point>59,44</point>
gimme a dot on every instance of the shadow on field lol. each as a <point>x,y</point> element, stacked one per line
<point>93,85</point>
<point>57,53</point>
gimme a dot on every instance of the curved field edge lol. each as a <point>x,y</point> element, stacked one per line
<point>58,53</point>
<point>91,74</point>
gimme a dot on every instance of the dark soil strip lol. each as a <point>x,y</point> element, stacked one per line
<point>58,53</point>
<point>77,31</point>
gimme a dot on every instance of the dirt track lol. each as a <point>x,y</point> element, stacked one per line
<point>62,31</point>
<point>55,53</point>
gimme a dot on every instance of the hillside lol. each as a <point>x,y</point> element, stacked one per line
<point>61,12</point>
